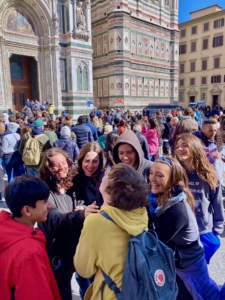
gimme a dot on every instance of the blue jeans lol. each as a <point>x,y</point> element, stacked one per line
<point>14,166</point>
<point>211,244</point>
<point>32,171</point>
<point>198,282</point>
<point>83,283</point>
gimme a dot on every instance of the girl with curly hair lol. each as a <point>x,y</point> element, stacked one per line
<point>171,207</point>
<point>206,189</point>
<point>63,226</point>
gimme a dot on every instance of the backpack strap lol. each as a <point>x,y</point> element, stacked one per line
<point>66,144</point>
<point>111,284</point>
<point>105,215</point>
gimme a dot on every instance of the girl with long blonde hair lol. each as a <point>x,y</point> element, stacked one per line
<point>206,189</point>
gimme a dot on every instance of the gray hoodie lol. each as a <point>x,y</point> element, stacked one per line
<point>10,139</point>
<point>208,204</point>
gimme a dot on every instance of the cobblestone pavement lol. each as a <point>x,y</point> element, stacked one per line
<point>216,267</point>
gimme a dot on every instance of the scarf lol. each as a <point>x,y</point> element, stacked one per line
<point>156,210</point>
<point>37,130</point>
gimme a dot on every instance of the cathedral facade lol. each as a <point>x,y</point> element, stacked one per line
<point>46,54</point>
<point>69,53</point>
<point>136,51</point>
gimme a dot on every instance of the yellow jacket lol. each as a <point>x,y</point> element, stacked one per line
<point>51,109</point>
<point>104,244</point>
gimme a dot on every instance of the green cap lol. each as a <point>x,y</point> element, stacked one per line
<point>38,123</point>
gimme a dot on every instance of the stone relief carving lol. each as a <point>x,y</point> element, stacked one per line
<point>119,85</point>
<point>81,20</point>
<point>127,86</point>
<point>56,24</point>
<point>167,2</point>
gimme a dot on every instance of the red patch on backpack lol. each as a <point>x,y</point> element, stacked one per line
<point>159,277</point>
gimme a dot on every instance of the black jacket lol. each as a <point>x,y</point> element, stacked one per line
<point>83,134</point>
<point>62,229</point>
<point>86,188</point>
<point>181,234</point>
<point>167,131</point>
<point>144,143</point>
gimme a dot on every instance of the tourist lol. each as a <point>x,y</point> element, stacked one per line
<point>6,118</point>
<point>45,117</point>
<point>128,151</point>
<point>37,106</point>
<point>86,187</point>
<point>92,127</point>
<point>151,131</point>
<point>89,175</point>
<point>142,139</point>
<point>106,126</point>
<point>111,140</point>
<point>63,226</point>
<point>65,143</point>
<point>25,269</point>
<point>30,122</point>
<point>97,122</point>
<point>179,114</point>
<point>166,135</point>
<point>43,142</point>
<point>49,130</point>
<point>104,244</point>
<point>51,110</point>
<point>59,126</point>
<point>83,133</point>
<point>11,156</point>
<point>121,127</point>
<point>207,136</point>
<point>102,138</point>
<point>171,213</point>
<point>206,189</point>
<point>28,104</point>
<point>184,126</point>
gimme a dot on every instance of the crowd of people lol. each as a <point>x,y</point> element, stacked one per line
<point>77,193</point>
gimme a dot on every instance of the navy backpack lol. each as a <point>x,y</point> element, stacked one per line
<point>149,272</point>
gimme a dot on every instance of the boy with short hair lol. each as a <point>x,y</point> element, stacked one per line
<point>25,271</point>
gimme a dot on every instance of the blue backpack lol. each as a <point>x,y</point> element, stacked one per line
<point>149,272</point>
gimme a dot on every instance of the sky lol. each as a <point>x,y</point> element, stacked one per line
<point>187,6</point>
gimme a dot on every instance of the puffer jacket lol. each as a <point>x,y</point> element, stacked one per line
<point>83,134</point>
<point>68,145</point>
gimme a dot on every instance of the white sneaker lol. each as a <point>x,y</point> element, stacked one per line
<point>5,177</point>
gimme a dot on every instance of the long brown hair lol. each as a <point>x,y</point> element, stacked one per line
<point>47,175</point>
<point>153,124</point>
<point>179,177</point>
<point>200,163</point>
<point>91,146</point>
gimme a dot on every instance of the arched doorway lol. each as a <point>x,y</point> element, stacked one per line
<point>24,80</point>
<point>29,54</point>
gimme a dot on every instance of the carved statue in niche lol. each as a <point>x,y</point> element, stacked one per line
<point>56,23</point>
<point>167,2</point>
<point>81,20</point>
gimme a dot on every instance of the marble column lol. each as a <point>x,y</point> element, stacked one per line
<point>75,14</point>
<point>88,16</point>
